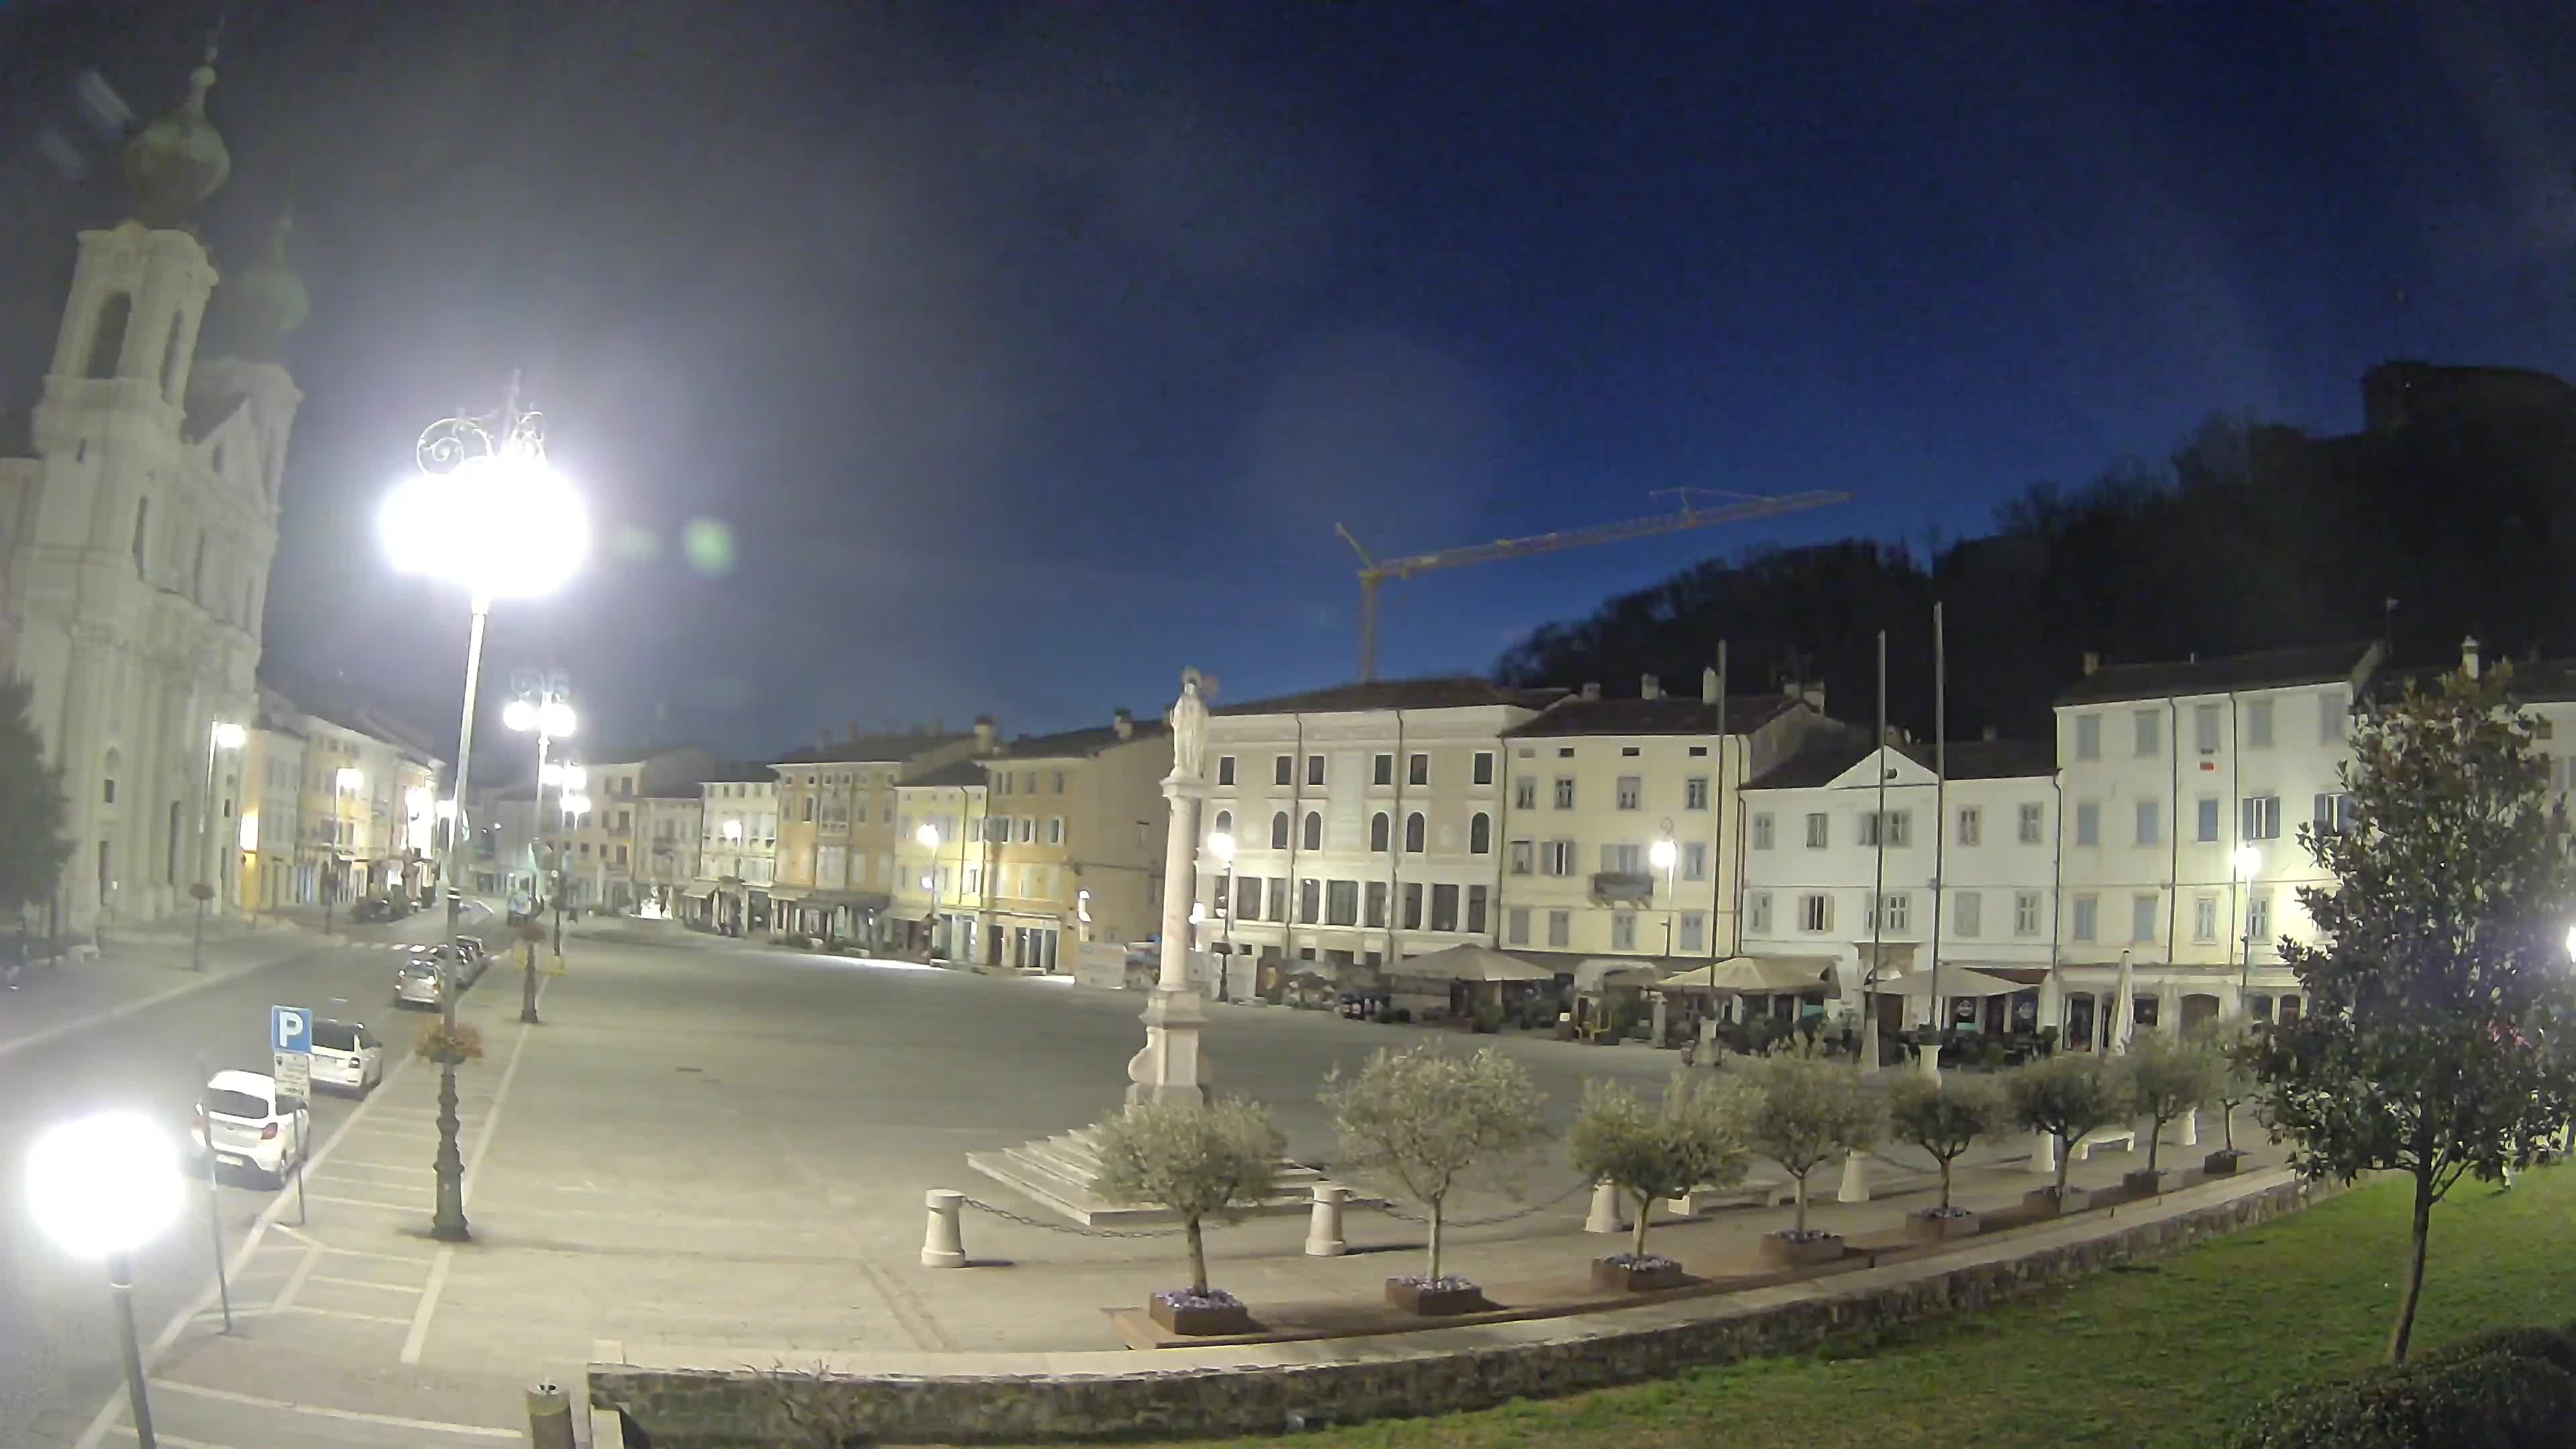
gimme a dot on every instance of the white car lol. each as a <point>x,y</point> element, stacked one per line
<point>241,1121</point>
<point>416,980</point>
<point>347,1056</point>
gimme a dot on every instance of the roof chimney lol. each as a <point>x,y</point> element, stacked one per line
<point>1650,687</point>
<point>2469,656</point>
<point>987,734</point>
<point>2092,661</point>
<point>1708,686</point>
<point>1125,723</point>
<point>1592,689</point>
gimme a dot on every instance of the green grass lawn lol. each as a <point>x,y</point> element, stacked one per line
<point>2161,1353</point>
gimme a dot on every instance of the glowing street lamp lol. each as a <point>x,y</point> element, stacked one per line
<point>1661,855</point>
<point>2247,861</point>
<point>1221,845</point>
<point>928,835</point>
<point>487,513</point>
<point>101,1187</point>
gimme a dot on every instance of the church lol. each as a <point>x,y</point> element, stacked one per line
<point>138,538</point>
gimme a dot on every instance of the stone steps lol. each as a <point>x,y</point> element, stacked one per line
<point>1062,1173</point>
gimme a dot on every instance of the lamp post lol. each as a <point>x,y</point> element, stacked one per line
<point>219,736</point>
<point>347,781</point>
<point>1661,855</point>
<point>2247,860</point>
<point>100,1187</point>
<point>485,512</point>
<point>1221,845</point>
<point>928,835</point>
<point>552,719</point>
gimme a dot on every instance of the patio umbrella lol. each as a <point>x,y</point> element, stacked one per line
<point>1474,963</point>
<point>1960,981</point>
<point>1606,971</point>
<point>1750,973</point>
<point>2124,1010</point>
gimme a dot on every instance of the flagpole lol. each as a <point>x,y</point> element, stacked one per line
<point>1940,801</point>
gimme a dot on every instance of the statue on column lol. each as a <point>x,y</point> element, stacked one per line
<point>1189,729</point>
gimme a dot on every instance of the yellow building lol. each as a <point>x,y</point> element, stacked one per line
<point>939,879</point>
<point>1075,841</point>
<point>362,805</point>
<point>836,826</point>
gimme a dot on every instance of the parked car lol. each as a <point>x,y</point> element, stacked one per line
<point>241,1120</point>
<point>372,908</point>
<point>347,1057</point>
<point>416,979</point>
<point>471,958</point>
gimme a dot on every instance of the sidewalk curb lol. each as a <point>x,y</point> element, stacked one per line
<point>45,1036</point>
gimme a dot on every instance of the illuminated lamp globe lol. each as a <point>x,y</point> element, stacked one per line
<point>576,804</point>
<point>1221,845</point>
<point>928,835</point>
<point>230,736</point>
<point>556,718</point>
<point>519,715</point>
<point>1661,853</point>
<point>103,1184</point>
<point>2248,860</point>
<point>505,526</point>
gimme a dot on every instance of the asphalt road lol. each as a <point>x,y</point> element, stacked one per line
<point>59,1345</point>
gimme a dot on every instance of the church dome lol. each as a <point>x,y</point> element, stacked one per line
<point>255,307</point>
<point>178,160</point>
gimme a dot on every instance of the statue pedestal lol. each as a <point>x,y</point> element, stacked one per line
<point>1172,1065</point>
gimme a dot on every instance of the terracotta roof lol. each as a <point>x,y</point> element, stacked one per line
<point>955,772</point>
<point>2535,681</point>
<point>1446,692</point>
<point>1670,715</point>
<point>2269,669</point>
<point>1064,743</point>
<point>740,773</point>
<point>1822,761</point>
<point>883,749</point>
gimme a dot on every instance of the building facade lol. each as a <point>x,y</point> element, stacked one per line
<point>1076,839</point>
<point>939,893</point>
<point>737,850</point>
<point>836,825</point>
<point>139,535</point>
<point>1367,821</point>
<point>602,871</point>
<point>1595,787</point>
<point>668,826</point>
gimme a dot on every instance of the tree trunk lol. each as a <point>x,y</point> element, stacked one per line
<point>1645,1215</point>
<point>2413,1291</point>
<point>2155,1139</point>
<point>1801,1221</point>
<point>2227,1126</point>
<point>1198,1256</point>
<point>1946,1164</point>
<point>2065,1159</point>
<point>1434,1205</point>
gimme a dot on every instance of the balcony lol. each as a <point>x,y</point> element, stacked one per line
<point>1623,885</point>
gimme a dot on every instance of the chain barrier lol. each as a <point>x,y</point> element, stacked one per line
<point>1024,1220</point>
<point>1424,1220</point>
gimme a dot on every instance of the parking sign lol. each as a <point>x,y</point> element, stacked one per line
<point>290,1050</point>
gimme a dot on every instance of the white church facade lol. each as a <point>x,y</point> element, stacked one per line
<point>137,541</point>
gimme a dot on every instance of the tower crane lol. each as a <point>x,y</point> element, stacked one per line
<point>1375,572</point>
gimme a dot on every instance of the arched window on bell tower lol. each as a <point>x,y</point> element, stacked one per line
<point>107,338</point>
<point>175,360</point>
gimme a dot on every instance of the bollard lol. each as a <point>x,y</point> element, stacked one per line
<point>1855,1186</point>
<point>2043,1153</point>
<point>941,1246</point>
<point>2190,1123</point>
<point>1324,1222</point>
<point>549,1417</point>
<point>1604,1216</point>
<point>1927,1063</point>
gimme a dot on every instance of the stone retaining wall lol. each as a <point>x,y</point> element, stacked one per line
<point>1004,1398</point>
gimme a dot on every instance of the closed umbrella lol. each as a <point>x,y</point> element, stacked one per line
<point>2123,1008</point>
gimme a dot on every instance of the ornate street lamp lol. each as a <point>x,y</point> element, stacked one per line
<point>928,835</point>
<point>100,1187</point>
<point>1221,845</point>
<point>487,513</point>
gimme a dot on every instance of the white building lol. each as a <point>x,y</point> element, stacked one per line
<point>1594,786</point>
<point>2168,771</point>
<point>606,859</point>
<point>1960,869</point>
<point>139,535</point>
<point>737,847</point>
<point>1368,819</point>
<point>668,827</point>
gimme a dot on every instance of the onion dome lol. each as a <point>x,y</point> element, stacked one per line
<point>256,306</point>
<point>177,161</point>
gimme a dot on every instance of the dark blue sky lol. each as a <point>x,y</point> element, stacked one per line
<point>1030,353</point>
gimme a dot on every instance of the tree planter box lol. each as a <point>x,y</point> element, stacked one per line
<point>1618,1275</point>
<point>1809,1252</point>
<point>2222,1163</point>
<point>1433,1300</point>
<point>1931,1227</point>
<point>2045,1201</point>
<point>2143,1182</point>
<point>1199,1319</point>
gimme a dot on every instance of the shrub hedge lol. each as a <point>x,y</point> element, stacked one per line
<point>2513,1388</point>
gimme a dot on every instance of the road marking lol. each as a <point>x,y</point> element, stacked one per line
<point>295,1281</point>
<point>195,984</point>
<point>368,1202</point>
<point>173,1440</point>
<point>343,1313</point>
<point>365,1283</point>
<point>387,1166</point>
<point>354,1416</point>
<point>418,1338</point>
<point>105,1419</point>
<point>416,1259</point>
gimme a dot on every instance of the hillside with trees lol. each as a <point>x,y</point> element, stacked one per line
<point>2457,501</point>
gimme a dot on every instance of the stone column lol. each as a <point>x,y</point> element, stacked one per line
<point>1172,1064</point>
<point>1324,1221</point>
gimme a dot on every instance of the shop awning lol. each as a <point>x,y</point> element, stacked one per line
<point>697,892</point>
<point>909,913</point>
<point>1471,963</point>
<point>1759,974</point>
<point>852,900</point>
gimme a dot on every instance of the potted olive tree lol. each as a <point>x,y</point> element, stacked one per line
<point>1420,1120</point>
<point>1945,1119</point>
<point>2064,1097</point>
<point>1202,1160</point>
<point>1648,1154</point>
<point>2231,1086</point>
<point>2167,1077</point>
<point>1801,1111</point>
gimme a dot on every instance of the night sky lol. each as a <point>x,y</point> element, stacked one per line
<point>1027,354</point>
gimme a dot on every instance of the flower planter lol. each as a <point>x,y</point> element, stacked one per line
<point>2143,1182</point>
<point>1934,1226</point>
<point>1787,1251</point>
<point>1199,1316</point>
<point>1433,1297</point>
<point>2045,1201</point>
<point>2222,1163</point>
<point>1625,1274</point>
